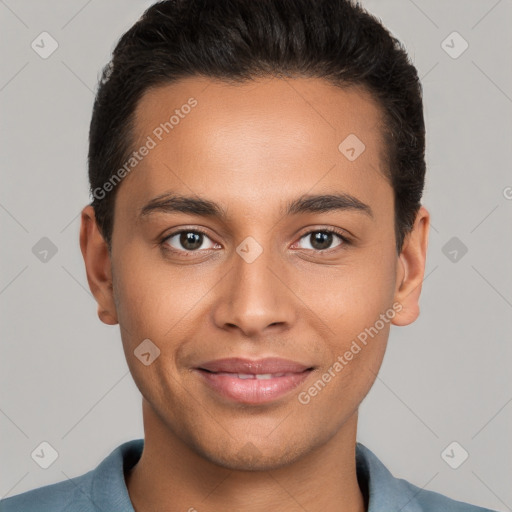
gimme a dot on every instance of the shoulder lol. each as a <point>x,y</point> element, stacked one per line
<point>430,501</point>
<point>55,497</point>
<point>385,492</point>
<point>101,489</point>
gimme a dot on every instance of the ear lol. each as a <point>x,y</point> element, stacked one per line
<point>411,269</point>
<point>98,266</point>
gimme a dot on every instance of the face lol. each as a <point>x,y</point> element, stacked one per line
<point>290,254</point>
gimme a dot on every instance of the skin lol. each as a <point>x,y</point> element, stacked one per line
<point>251,149</point>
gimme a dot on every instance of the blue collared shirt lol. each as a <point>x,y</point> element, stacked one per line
<point>104,489</point>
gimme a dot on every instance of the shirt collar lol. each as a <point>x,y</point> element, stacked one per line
<point>384,491</point>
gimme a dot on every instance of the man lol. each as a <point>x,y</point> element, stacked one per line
<point>256,228</point>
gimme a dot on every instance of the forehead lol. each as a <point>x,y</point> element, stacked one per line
<point>259,139</point>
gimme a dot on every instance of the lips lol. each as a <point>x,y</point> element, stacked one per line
<point>253,381</point>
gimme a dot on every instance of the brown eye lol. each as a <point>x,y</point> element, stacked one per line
<point>321,240</point>
<point>189,240</point>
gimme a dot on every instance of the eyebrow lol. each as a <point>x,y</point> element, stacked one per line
<point>172,203</point>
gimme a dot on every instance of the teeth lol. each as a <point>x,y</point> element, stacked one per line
<point>259,376</point>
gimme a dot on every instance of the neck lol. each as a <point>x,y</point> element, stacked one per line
<point>171,476</point>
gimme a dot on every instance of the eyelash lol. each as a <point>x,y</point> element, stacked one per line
<point>334,231</point>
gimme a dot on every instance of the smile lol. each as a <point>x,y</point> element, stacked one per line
<point>253,388</point>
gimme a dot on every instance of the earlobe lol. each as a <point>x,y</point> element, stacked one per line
<point>411,270</point>
<point>106,317</point>
<point>98,266</point>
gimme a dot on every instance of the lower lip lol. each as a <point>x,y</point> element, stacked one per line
<point>253,391</point>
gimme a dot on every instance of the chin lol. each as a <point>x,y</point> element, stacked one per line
<point>251,458</point>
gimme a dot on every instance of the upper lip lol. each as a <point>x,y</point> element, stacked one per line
<point>254,366</point>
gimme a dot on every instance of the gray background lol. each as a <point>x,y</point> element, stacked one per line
<point>63,376</point>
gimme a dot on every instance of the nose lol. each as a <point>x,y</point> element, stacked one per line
<point>253,297</point>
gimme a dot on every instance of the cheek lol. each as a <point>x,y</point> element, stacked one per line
<point>139,311</point>
<point>147,309</point>
<point>149,295</point>
<point>347,375</point>
<point>157,302</point>
<point>351,295</point>
<point>355,304</point>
